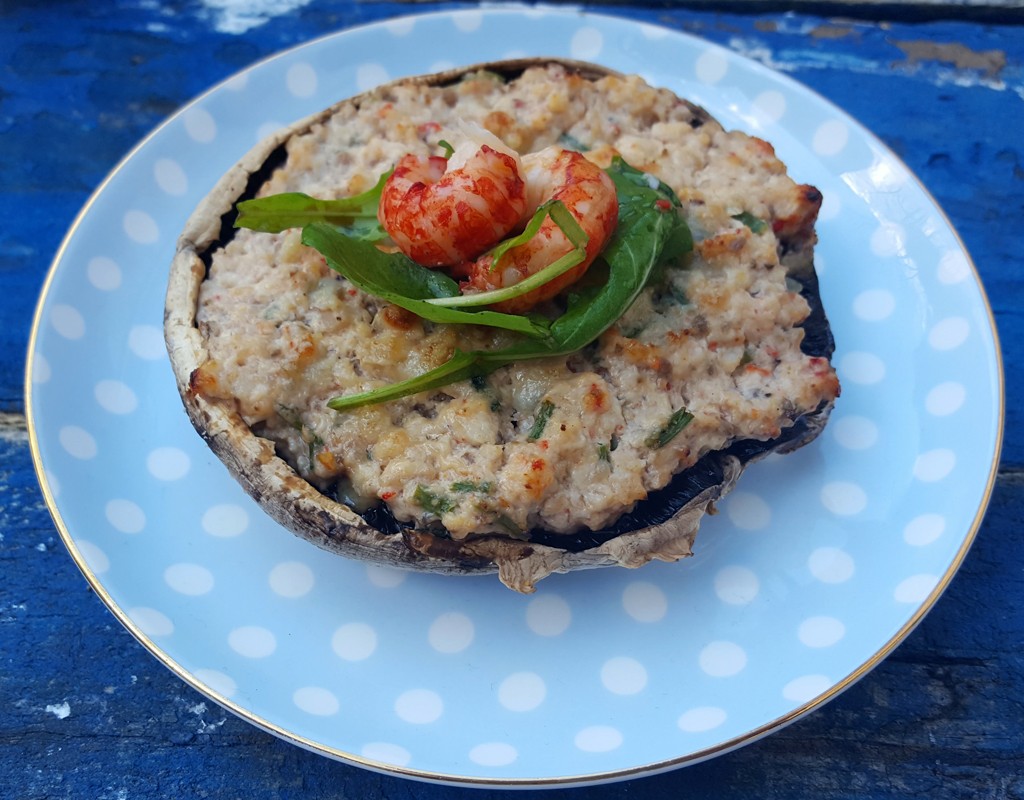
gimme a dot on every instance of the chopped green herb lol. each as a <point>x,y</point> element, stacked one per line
<point>756,224</point>
<point>433,503</point>
<point>540,422</point>
<point>470,486</point>
<point>511,528</point>
<point>679,420</point>
<point>570,142</point>
<point>746,358</point>
<point>446,146</point>
<point>604,453</point>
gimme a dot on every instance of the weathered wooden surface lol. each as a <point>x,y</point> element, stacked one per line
<point>85,712</point>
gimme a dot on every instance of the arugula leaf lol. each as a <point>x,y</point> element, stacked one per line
<point>357,214</point>
<point>651,232</point>
<point>400,280</point>
<point>570,227</point>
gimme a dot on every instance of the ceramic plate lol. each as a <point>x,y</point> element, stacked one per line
<point>816,567</point>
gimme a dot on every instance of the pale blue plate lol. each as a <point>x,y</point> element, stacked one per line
<point>816,567</point>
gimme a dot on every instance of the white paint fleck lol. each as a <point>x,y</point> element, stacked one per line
<point>239,16</point>
<point>60,710</point>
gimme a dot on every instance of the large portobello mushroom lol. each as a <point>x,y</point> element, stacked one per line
<point>609,455</point>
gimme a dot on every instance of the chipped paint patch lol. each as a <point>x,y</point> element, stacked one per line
<point>938,64</point>
<point>60,710</point>
<point>239,16</point>
<point>989,62</point>
<point>833,32</point>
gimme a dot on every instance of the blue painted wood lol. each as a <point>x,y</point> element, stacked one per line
<point>85,712</point>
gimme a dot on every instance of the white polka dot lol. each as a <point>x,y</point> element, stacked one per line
<point>831,565</point>
<point>385,577</point>
<point>771,105</point>
<point>915,589</point>
<point>821,631</point>
<point>548,615</point>
<point>924,530</point>
<point>216,681</point>
<point>711,67</point>
<point>316,700</point>
<point>252,641</point>
<point>104,273</point>
<point>736,586</point>
<point>168,463</point>
<point>644,601</point>
<point>291,579</point>
<point>301,80</point>
<point>722,659</point>
<point>888,239</point>
<point>467,21</point>
<point>854,433</point>
<point>115,397</point>
<point>125,516</point>
<point>94,557</point>
<point>874,305</point>
<point>702,718</point>
<point>949,333</point>
<point>451,632</point>
<point>493,754</point>
<point>386,753</point>
<point>200,125</point>
<point>369,76</point>
<point>170,177</point>
<point>831,137</point>
<point>843,498</point>
<point>77,442</point>
<point>945,399</point>
<point>268,129</point>
<point>151,622</point>
<point>147,341</point>
<point>623,675</point>
<point>189,579</point>
<point>831,205</point>
<point>68,321</point>
<point>41,371</point>
<point>748,511</point>
<point>598,739</point>
<point>954,267</point>
<point>806,688</point>
<point>419,706</point>
<point>354,641</point>
<point>587,43</point>
<point>934,465</point>
<point>225,520</point>
<point>141,227</point>
<point>522,691</point>
<point>862,368</point>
